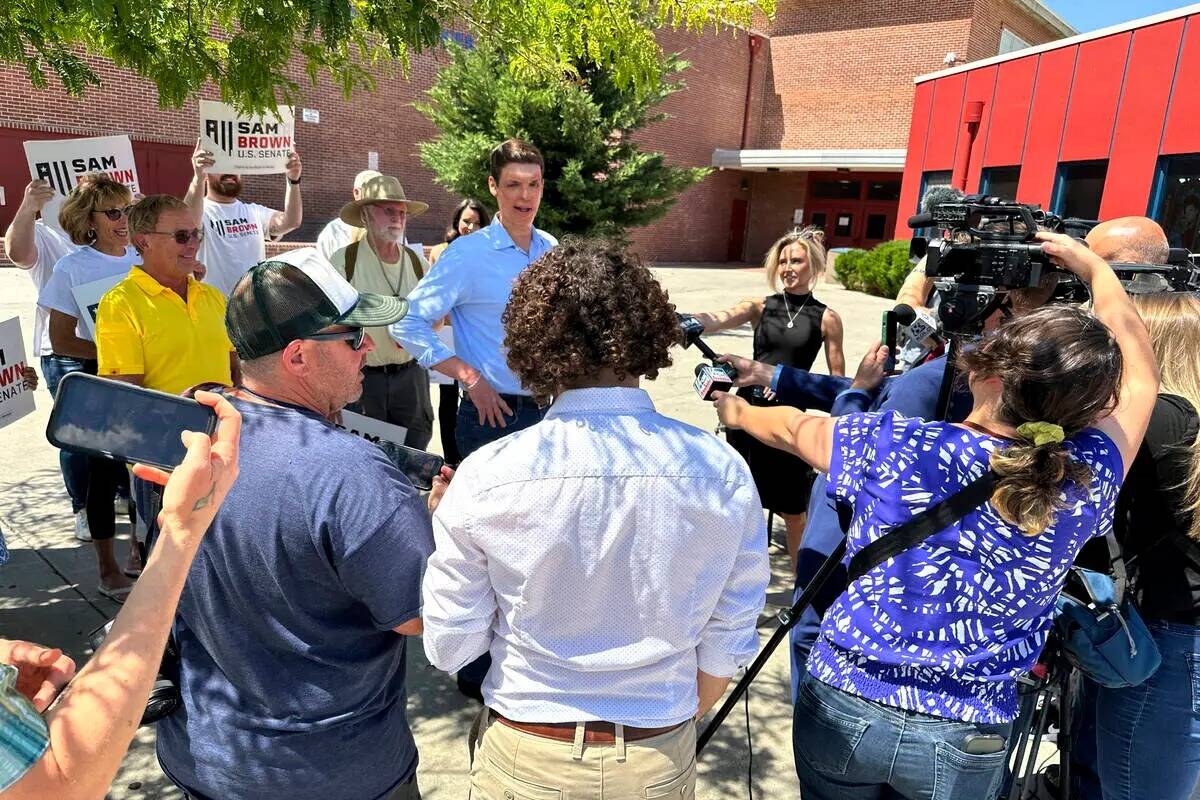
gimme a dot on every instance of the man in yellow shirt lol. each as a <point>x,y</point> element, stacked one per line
<point>395,386</point>
<point>160,327</point>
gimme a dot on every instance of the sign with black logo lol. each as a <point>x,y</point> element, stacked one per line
<point>244,144</point>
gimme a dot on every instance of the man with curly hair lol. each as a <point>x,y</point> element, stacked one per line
<point>611,560</point>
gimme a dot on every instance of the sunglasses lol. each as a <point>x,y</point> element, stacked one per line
<point>356,337</point>
<point>181,236</point>
<point>115,213</point>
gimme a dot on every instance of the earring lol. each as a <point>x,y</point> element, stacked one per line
<point>91,234</point>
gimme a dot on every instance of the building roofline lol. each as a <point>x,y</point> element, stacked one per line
<point>1047,16</point>
<point>1059,43</point>
<point>880,160</point>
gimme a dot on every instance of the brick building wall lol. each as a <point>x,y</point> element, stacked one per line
<point>990,16</point>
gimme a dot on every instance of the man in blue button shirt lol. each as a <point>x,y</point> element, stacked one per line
<point>472,282</point>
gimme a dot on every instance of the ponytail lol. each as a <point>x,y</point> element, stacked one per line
<point>1031,472</point>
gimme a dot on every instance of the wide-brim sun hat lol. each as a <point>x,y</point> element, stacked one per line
<point>297,294</point>
<point>384,189</point>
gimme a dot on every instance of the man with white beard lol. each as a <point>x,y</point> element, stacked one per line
<point>395,386</point>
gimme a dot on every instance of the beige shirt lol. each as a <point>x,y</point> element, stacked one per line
<point>372,275</point>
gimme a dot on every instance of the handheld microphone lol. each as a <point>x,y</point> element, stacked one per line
<point>713,378</point>
<point>919,324</point>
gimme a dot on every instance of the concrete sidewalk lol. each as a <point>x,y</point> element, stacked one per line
<point>48,590</point>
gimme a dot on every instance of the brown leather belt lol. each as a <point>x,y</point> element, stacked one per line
<point>594,732</point>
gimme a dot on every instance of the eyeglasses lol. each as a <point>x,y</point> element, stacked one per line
<point>115,213</point>
<point>356,337</point>
<point>181,236</point>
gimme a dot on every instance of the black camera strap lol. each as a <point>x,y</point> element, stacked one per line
<point>936,518</point>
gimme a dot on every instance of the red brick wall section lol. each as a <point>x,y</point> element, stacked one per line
<point>774,196</point>
<point>704,116</point>
<point>991,16</point>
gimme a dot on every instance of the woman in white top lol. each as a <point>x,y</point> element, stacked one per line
<point>96,216</point>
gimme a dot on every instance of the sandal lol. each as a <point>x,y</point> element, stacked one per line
<point>117,595</point>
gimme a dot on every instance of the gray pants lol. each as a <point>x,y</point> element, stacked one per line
<point>401,397</point>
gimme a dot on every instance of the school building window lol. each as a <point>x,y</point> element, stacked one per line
<point>1078,188</point>
<point>1175,203</point>
<point>1000,182</point>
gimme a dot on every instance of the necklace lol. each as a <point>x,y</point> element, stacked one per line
<point>788,306</point>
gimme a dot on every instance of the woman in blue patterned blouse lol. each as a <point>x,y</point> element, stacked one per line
<point>920,656</point>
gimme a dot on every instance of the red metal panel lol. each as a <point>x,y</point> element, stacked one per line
<point>981,85</point>
<point>1010,112</point>
<point>1182,134</point>
<point>910,189</point>
<point>1140,119</point>
<point>1094,94</point>
<point>944,122</point>
<point>1056,68</point>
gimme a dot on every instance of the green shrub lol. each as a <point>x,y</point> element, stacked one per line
<point>882,271</point>
<point>847,266</point>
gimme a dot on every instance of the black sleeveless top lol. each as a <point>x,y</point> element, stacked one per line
<point>797,346</point>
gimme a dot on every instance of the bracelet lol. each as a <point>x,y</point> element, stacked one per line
<point>474,383</point>
<point>294,182</point>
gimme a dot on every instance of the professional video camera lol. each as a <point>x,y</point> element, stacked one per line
<point>987,249</point>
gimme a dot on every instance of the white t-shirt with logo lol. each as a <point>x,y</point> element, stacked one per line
<point>86,265</point>
<point>335,236</point>
<point>235,239</point>
<point>52,244</point>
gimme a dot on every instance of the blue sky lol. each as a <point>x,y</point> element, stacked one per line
<point>1088,15</point>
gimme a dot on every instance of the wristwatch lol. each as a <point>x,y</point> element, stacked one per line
<point>294,182</point>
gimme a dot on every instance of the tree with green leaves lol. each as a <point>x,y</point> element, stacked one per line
<point>598,181</point>
<point>246,47</point>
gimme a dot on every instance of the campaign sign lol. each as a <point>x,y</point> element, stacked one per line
<point>88,296</point>
<point>62,162</point>
<point>16,398</point>
<point>372,429</point>
<point>246,144</point>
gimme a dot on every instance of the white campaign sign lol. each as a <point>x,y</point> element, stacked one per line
<point>372,429</point>
<point>246,144</point>
<point>62,162</point>
<point>16,398</point>
<point>88,296</point>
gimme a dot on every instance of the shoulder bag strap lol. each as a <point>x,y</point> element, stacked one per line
<point>416,262</point>
<point>351,259</point>
<point>933,519</point>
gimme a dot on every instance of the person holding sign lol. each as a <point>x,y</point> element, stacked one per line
<point>236,231</point>
<point>35,246</point>
<point>395,387</point>
<point>96,217</point>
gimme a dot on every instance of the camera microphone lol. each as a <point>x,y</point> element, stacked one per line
<point>920,220</point>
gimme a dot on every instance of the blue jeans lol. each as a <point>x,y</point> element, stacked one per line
<point>470,434</point>
<point>1148,736</point>
<point>74,466</point>
<point>849,748</point>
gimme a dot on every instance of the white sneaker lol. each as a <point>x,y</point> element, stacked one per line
<point>82,532</point>
<point>122,506</point>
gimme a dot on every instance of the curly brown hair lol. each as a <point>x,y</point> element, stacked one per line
<point>586,306</point>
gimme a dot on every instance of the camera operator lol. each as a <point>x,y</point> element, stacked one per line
<point>1159,531</point>
<point>72,751</point>
<point>917,661</point>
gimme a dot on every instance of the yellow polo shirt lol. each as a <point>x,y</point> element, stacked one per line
<point>144,328</point>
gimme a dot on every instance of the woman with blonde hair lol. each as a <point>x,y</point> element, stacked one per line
<point>96,217</point>
<point>789,328</point>
<point>1159,529</point>
<point>911,689</point>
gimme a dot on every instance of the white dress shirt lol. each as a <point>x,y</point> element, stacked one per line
<point>602,557</point>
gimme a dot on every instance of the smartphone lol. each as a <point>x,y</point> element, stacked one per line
<point>981,744</point>
<point>418,466</point>
<point>888,336</point>
<point>118,420</point>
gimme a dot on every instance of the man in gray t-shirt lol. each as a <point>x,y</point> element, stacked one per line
<point>291,629</point>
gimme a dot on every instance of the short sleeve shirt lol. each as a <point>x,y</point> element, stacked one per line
<point>293,680</point>
<point>24,736</point>
<point>85,265</point>
<point>144,328</point>
<point>945,627</point>
<point>235,239</point>
<point>51,245</point>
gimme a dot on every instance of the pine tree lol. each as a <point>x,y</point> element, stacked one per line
<point>598,182</point>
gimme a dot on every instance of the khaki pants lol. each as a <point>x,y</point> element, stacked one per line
<point>513,765</point>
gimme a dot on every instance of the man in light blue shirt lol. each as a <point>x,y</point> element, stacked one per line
<point>612,560</point>
<point>472,282</point>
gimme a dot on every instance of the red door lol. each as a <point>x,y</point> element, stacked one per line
<point>840,221</point>
<point>737,230</point>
